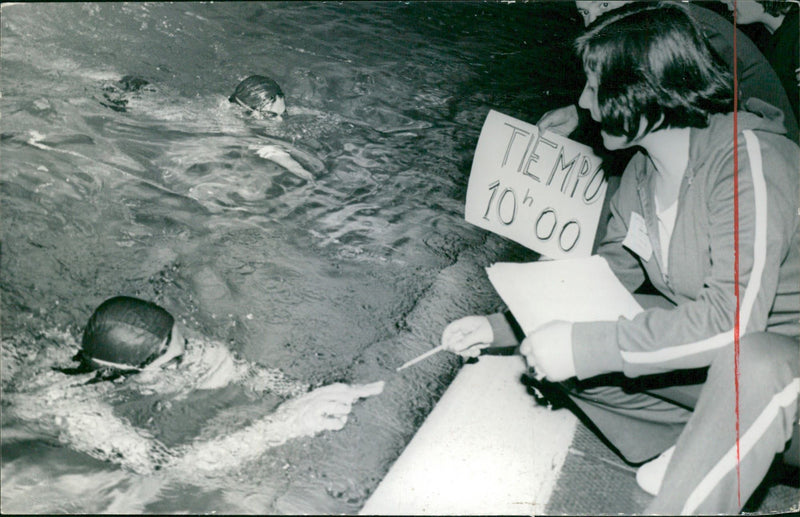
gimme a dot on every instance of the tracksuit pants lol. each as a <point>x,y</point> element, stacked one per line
<point>727,422</point>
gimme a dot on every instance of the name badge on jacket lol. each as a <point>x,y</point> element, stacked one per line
<point>637,239</point>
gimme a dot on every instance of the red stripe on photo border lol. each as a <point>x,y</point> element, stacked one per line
<point>736,328</point>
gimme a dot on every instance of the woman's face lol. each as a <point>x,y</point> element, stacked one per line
<point>175,349</point>
<point>588,98</point>
<point>590,11</point>
<point>588,101</point>
<point>747,11</point>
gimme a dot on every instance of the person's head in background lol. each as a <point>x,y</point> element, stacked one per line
<point>648,68</point>
<point>127,335</point>
<point>260,95</point>
<point>590,11</point>
<point>770,13</point>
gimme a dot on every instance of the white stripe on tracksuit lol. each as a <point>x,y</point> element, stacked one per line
<point>753,286</point>
<point>782,399</point>
<point>748,440</point>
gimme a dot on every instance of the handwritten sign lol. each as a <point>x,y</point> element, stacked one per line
<point>539,189</point>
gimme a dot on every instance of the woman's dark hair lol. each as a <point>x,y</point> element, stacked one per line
<point>777,7</point>
<point>652,61</point>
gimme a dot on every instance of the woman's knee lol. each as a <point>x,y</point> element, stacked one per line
<point>761,357</point>
<point>769,350</point>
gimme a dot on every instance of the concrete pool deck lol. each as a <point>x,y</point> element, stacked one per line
<point>487,448</point>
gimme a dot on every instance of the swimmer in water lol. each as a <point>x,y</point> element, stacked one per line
<point>115,95</point>
<point>260,95</point>
<point>264,98</point>
<point>131,346</point>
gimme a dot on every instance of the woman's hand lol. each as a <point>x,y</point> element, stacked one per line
<point>562,121</point>
<point>467,336</point>
<point>326,408</point>
<point>548,350</point>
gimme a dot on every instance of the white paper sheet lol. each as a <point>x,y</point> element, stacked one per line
<point>583,289</point>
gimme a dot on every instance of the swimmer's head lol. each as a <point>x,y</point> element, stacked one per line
<point>260,95</point>
<point>129,334</point>
<point>592,10</point>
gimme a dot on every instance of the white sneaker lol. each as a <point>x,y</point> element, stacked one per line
<point>651,474</point>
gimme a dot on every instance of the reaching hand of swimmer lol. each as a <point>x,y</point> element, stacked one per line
<point>548,350</point>
<point>561,120</point>
<point>326,408</point>
<point>467,336</point>
<point>285,160</point>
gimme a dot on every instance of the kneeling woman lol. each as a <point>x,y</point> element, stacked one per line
<point>706,378</point>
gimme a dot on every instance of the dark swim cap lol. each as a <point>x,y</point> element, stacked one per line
<point>259,93</point>
<point>125,331</point>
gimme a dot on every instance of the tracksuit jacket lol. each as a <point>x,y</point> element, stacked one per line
<point>713,469</point>
<point>702,276</point>
<point>701,280</point>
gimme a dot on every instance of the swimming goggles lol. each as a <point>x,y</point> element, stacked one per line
<point>152,357</point>
<point>267,114</point>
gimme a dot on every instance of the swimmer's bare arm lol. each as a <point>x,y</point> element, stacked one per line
<point>260,379</point>
<point>285,160</point>
<point>228,369</point>
<point>90,426</point>
<point>324,409</point>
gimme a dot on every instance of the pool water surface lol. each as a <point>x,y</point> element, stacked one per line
<point>173,194</point>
